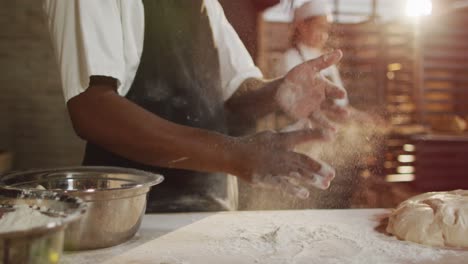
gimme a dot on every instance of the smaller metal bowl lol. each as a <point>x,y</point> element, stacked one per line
<point>42,244</point>
<point>116,200</point>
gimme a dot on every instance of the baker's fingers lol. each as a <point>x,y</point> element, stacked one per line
<point>319,119</point>
<point>305,168</point>
<point>309,166</point>
<point>303,123</point>
<point>321,183</point>
<point>289,140</point>
<point>312,177</point>
<point>290,186</point>
<point>335,112</point>
<point>317,181</point>
<point>323,178</point>
<point>333,91</point>
<point>324,61</point>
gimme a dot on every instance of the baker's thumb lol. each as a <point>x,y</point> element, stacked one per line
<point>325,60</point>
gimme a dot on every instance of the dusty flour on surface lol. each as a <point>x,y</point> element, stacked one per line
<point>281,244</point>
<point>23,217</point>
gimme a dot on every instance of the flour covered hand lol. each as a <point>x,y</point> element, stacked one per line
<point>305,93</point>
<point>266,160</point>
<point>297,183</point>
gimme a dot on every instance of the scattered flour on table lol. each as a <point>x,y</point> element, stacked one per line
<point>171,260</point>
<point>282,244</point>
<point>22,218</point>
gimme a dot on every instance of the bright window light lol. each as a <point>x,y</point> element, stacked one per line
<point>406,158</point>
<point>405,169</point>
<point>394,66</point>
<point>399,178</point>
<point>416,8</point>
<point>409,147</point>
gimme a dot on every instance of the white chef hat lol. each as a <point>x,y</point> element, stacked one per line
<point>312,8</point>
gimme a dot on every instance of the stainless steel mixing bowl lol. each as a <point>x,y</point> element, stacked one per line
<point>116,200</point>
<point>42,244</point>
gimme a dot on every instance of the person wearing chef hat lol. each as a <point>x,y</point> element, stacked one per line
<point>311,25</point>
<point>149,84</point>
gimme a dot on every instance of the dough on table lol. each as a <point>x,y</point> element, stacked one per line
<point>434,218</point>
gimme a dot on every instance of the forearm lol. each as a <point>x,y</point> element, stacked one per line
<point>255,98</point>
<point>101,116</point>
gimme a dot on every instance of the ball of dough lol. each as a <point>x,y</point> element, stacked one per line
<point>435,219</point>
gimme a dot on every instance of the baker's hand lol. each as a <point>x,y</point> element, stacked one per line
<point>266,159</point>
<point>305,93</point>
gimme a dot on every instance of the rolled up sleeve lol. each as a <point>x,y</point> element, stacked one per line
<point>235,62</point>
<point>87,39</point>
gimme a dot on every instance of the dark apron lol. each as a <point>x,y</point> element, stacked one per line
<point>178,79</point>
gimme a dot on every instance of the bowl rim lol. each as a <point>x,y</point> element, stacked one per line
<point>52,227</point>
<point>155,178</point>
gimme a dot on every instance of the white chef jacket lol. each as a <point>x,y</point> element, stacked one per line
<point>105,37</point>
<point>302,53</point>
